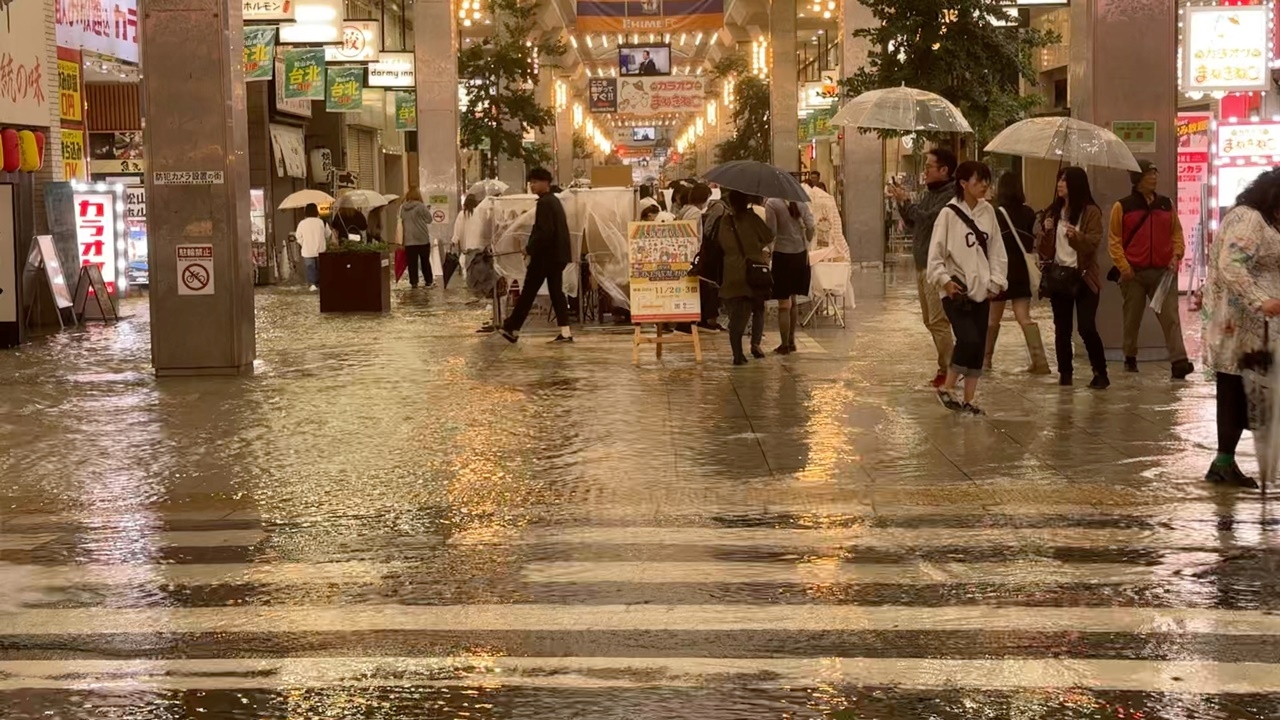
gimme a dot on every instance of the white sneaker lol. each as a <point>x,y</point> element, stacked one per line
<point>313,288</point>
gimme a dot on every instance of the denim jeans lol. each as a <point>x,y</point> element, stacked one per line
<point>311,266</point>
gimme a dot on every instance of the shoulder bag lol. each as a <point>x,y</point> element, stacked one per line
<point>759,275</point>
<point>1059,280</point>
<point>1033,264</point>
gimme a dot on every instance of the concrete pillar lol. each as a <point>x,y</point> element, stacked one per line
<point>436,71</point>
<point>564,138</point>
<point>862,156</point>
<point>1141,37</point>
<point>784,93</point>
<point>196,122</point>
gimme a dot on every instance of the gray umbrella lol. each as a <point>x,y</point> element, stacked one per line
<point>757,178</point>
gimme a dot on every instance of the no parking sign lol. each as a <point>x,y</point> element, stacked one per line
<point>195,269</point>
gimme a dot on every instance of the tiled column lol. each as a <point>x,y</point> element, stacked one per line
<point>196,123</point>
<point>862,157</point>
<point>436,71</point>
<point>1140,36</point>
<point>784,94</point>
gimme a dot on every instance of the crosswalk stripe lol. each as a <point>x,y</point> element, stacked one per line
<point>584,672</point>
<point>93,621</point>
<point>199,574</point>
<point>1032,571</point>
<point>860,537</point>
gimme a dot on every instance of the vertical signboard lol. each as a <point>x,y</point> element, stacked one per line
<point>24,64</point>
<point>259,53</point>
<point>406,110</point>
<point>75,161</point>
<point>661,255</point>
<point>97,232</point>
<point>1192,132</point>
<point>345,89</point>
<point>304,74</point>
<point>70,100</point>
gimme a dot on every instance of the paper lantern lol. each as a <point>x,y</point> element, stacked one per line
<point>28,153</point>
<point>40,148</point>
<point>9,153</point>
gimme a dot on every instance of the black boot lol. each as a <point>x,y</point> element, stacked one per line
<point>1229,474</point>
<point>1131,364</point>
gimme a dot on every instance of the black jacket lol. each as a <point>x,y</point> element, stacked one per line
<point>549,239</point>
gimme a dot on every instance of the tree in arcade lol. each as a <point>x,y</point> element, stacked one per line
<point>750,114</point>
<point>959,49</point>
<point>500,76</point>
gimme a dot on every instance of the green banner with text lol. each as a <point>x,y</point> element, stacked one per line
<point>259,52</point>
<point>346,89</point>
<point>304,74</point>
<point>406,110</point>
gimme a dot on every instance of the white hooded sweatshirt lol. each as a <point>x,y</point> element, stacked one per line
<point>954,252</point>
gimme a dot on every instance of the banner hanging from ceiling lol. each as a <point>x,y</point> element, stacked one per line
<point>655,96</point>
<point>655,16</point>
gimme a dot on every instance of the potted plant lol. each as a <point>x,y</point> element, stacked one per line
<point>355,277</point>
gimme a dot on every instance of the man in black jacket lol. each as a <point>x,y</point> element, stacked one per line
<point>549,253</point>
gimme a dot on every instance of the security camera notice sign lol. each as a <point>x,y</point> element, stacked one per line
<point>195,269</point>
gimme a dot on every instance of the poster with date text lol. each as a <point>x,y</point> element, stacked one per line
<point>660,256</point>
<point>1192,133</point>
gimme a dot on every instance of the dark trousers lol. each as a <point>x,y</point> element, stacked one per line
<point>1233,412</point>
<point>1085,305</point>
<point>969,325</point>
<point>741,308</point>
<point>709,299</point>
<point>539,272</point>
<point>419,255</point>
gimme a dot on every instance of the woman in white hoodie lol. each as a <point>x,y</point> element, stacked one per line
<point>969,266</point>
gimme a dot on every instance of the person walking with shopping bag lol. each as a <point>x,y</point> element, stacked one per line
<point>969,268</point>
<point>1017,231</point>
<point>1147,246</point>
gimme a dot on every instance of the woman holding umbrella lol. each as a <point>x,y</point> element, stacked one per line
<point>1241,291</point>
<point>743,237</point>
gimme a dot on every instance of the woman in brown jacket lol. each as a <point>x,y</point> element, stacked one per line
<point>1069,238</point>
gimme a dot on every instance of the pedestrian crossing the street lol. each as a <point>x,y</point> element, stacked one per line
<point>1066,612</point>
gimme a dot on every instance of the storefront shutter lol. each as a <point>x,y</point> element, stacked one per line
<point>362,155</point>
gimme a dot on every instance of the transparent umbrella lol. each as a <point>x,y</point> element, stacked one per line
<point>1067,140</point>
<point>362,199</point>
<point>488,188</point>
<point>303,198</point>
<point>902,108</point>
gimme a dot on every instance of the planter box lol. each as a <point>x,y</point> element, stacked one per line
<point>355,282</point>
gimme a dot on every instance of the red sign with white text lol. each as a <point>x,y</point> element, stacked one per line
<point>96,233</point>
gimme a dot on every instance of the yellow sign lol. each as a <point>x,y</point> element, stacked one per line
<point>75,165</point>
<point>69,91</point>
<point>1225,49</point>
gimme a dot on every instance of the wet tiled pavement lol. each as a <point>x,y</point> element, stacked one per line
<point>398,518</point>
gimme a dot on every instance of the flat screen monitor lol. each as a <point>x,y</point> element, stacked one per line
<point>644,60</point>
<point>644,134</point>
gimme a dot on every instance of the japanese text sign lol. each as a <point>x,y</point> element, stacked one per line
<point>96,233</point>
<point>361,40</point>
<point>259,52</point>
<point>298,106</point>
<point>1225,49</point>
<point>304,74</point>
<point>602,95</point>
<point>406,110</point>
<point>1248,141</point>
<point>257,10</point>
<point>655,96</point>
<point>75,163</point>
<point>70,101</point>
<point>345,89</point>
<point>23,64</point>
<point>1138,135</point>
<point>109,27</point>
<point>660,256</point>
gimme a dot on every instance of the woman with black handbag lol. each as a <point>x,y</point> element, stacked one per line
<point>747,279</point>
<point>1069,238</point>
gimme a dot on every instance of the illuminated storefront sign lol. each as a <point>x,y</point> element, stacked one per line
<point>109,27</point>
<point>393,70</point>
<point>361,41</point>
<point>1226,49</point>
<point>1248,141</point>
<point>99,229</point>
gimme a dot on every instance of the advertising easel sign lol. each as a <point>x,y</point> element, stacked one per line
<point>661,255</point>
<point>195,269</point>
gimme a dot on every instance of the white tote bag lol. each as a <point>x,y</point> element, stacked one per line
<point>1033,262</point>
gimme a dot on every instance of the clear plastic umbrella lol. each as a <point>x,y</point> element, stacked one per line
<point>1067,140</point>
<point>488,188</point>
<point>1261,375</point>
<point>303,198</point>
<point>362,199</point>
<point>902,108</point>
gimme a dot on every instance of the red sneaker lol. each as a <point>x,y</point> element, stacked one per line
<point>939,380</point>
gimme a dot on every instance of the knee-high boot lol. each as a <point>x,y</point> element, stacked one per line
<point>1035,347</point>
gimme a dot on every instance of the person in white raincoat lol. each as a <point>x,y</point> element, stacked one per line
<point>968,265</point>
<point>1242,290</point>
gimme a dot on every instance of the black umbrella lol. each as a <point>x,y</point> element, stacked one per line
<point>451,265</point>
<point>757,178</point>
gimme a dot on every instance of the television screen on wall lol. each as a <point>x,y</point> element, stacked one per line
<point>644,60</point>
<point>644,134</point>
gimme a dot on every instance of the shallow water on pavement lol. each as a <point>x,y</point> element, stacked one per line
<point>396,517</point>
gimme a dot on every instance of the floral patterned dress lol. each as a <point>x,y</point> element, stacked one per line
<point>1244,271</point>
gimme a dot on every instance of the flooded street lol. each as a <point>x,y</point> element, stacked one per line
<point>398,518</point>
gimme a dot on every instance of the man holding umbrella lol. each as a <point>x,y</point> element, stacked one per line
<point>920,215</point>
<point>549,253</point>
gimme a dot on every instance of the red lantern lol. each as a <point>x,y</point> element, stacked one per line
<point>10,155</point>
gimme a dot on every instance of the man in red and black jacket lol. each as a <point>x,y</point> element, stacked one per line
<point>1146,246</point>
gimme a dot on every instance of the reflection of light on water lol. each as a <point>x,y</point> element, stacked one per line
<point>826,432</point>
